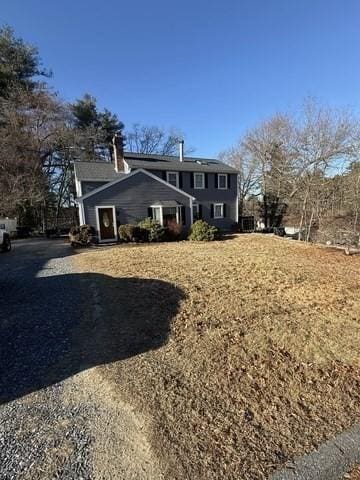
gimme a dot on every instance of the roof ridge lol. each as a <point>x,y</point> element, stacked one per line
<point>93,161</point>
<point>172,156</point>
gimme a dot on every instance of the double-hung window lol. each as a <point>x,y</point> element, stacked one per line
<point>222,181</point>
<point>218,210</point>
<point>157,214</point>
<point>199,180</point>
<point>167,215</point>
<point>173,178</point>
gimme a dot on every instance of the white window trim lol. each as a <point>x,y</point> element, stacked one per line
<point>222,210</point>
<point>203,180</point>
<point>161,213</point>
<point>97,208</point>
<point>226,181</point>
<point>177,178</point>
<point>178,213</point>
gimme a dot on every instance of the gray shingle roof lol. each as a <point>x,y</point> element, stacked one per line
<point>96,171</point>
<point>166,162</point>
<point>166,203</point>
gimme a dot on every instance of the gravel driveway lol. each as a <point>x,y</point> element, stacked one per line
<point>59,418</point>
<point>41,435</point>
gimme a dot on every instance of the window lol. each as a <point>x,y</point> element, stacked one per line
<point>218,210</point>
<point>156,214</point>
<point>196,212</point>
<point>199,180</point>
<point>173,178</point>
<point>222,181</point>
<point>165,215</point>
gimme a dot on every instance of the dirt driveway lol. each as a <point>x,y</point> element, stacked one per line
<point>58,419</point>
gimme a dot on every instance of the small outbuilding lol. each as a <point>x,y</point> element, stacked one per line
<point>10,224</point>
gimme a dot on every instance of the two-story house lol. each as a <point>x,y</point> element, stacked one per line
<point>167,188</point>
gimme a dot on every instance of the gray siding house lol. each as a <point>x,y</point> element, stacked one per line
<point>166,188</point>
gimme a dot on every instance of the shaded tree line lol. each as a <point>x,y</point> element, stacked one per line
<point>302,169</point>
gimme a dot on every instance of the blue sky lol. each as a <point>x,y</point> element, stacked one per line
<point>213,69</point>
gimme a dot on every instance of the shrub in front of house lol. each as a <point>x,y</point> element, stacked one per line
<point>174,231</point>
<point>81,235</point>
<point>201,231</point>
<point>156,232</point>
<point>132,233</point>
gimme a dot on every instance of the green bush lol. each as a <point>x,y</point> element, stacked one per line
<point>132,233</point>
<point>155,231</point>
<point>82,235</point>
<point>201,231</point>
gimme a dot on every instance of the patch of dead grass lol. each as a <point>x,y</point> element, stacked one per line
<point>354,474</point>
<point>262,360</point>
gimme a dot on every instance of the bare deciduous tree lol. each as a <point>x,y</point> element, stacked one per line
<point>153,140</point>
<point>249,168</point>
<point>296,159</point>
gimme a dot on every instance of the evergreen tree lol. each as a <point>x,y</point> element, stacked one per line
<point>95,129</point>
<point>19,63</point>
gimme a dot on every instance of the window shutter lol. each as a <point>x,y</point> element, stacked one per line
<point>228,180</point>
<point>191,180</point>
<point>216,180</point>
<point>212,211</point>
<point>150,213</point>
<point>206,180</point>
<point>180,180</point>
<point>164,175</point>
<point>224,210</point>
<point>200,211</point>
<point>183,217</point>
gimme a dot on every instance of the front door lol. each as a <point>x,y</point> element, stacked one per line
<point>106,223</point>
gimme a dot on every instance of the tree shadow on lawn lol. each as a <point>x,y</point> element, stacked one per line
<point>60,325</point>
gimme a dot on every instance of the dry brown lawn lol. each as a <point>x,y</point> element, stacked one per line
<point>354,474</point>
<point>242,354</point>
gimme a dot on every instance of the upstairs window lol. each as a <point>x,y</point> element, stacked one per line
<point>199,180</point>
<point>222,181</point>
<point>173,178</point>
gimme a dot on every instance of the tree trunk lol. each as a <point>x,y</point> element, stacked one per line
<point>303,212</point>
<point>309,227</point>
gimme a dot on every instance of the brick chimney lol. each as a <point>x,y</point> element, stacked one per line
<point>118,146</point>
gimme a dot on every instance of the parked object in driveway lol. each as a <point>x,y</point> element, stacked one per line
<point>10,225</point>
<point>5,242</point>
<point>279,231</point>
<point>23,232</point>
<point>246,224</point>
